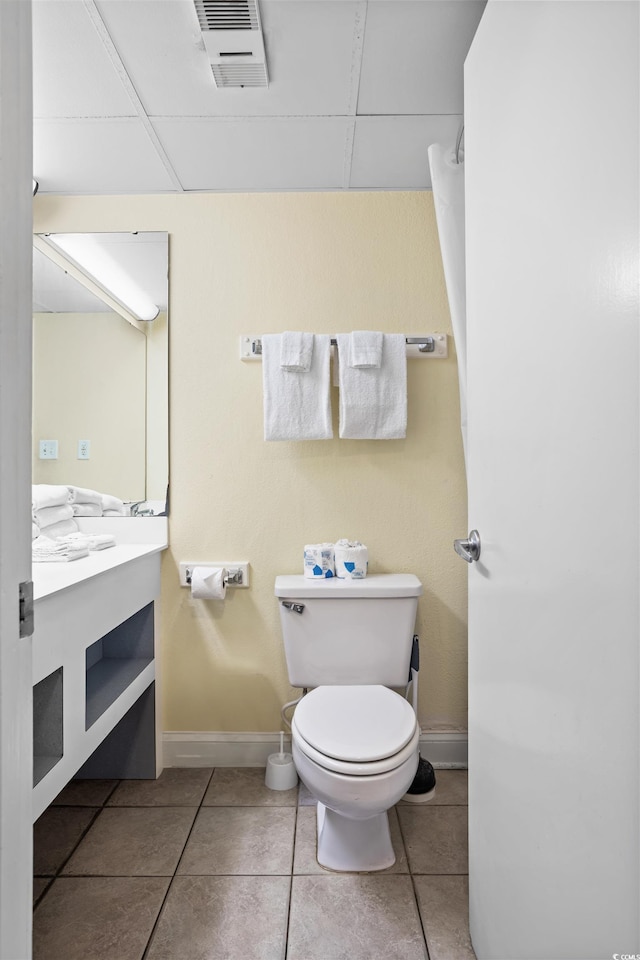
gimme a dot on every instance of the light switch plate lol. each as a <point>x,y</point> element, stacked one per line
<point>48,450</point>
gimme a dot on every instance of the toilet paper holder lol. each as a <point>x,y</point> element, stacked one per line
<point>237,572</point>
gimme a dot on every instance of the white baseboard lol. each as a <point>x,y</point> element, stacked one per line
<point>212,749</point>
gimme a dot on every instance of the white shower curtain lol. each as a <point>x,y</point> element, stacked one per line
<point>447,178</point>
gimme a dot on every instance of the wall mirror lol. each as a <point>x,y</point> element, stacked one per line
<point>100,364</point>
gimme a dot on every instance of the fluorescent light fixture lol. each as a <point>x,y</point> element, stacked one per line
<point>94,261</point>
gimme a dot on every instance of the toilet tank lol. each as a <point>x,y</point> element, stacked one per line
<point>348,631</point>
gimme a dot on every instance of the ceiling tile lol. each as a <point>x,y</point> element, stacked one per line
<point>390,153</point>
<point>309,51</point>
<point>73,75</point>
<point>277,154</point>
<point>413,55</point>
<point>96,156</point>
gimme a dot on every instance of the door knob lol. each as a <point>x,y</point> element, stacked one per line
<point>469,549</point>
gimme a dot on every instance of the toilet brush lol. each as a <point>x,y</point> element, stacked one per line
<point>423,786</point>
<point>281,773</point>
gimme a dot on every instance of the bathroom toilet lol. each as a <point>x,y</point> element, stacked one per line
<point>355,740</point>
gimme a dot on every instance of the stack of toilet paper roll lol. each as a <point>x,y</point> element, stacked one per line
<point>351,560</point>
<point>346,559</point>
<point>318,561</point>
<point>208,583</point>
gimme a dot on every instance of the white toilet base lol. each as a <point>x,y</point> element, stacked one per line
<point>353,845</point>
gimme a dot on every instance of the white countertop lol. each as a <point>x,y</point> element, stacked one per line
<point>50,578</point>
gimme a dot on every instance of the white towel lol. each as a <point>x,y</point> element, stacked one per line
<point>365,349</point>
<point>296,350</point>
<point>297,404</point>
<point>113,507</point>
<point>82,495</point>
<point>35,530</point>
<point>87,509</point>
<point>46,516</point>
<point>91,541</point>
<point>48,495</point>
<point>373,401</point>
<point>61,529</point>
<point>44,550</point>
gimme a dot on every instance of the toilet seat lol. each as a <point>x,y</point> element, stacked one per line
<point>356,730</point>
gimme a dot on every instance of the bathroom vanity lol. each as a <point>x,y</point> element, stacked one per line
<point>94,696</point>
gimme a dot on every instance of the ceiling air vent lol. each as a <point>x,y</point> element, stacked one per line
<point>233,39</point>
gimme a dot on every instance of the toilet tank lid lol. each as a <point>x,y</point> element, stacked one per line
<point>375,585</point>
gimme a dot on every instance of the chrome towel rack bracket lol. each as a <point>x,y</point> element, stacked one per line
<point>430,345</point>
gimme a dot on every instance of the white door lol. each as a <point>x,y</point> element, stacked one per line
<point>551,157</point>
<point>16,750</point>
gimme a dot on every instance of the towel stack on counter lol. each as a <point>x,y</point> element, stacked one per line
<point>85,503</point>
<point>346,559</point>
<point>112,507</point>
<point>372,376</point>
<point>55,533</point>
<point>52,511</point>
<point>90,503</point>
<point>45,550</point>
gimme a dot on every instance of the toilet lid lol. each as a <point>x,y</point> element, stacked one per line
<point>356,724</point>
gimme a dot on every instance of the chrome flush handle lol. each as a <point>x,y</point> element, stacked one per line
<point>295,607</point>
<point>469,549</point>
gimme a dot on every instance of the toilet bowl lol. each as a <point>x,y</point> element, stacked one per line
<point>356,748</point>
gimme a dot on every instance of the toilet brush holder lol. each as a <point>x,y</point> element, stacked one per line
<point>281,773</point>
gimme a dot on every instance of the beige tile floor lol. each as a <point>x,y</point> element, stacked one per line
<point>208,864</point>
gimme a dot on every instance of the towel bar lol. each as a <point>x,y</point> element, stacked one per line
<point>433,345</point>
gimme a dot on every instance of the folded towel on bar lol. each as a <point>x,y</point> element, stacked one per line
<point>365,349</point>
<point>61,529</point>
<point>83,495</point>
<point>92,541</point>
<point>297,404</point>
<point>46,516</point>
<point>44,550</point>
<point>373,401</point>
<point>48,495</point>
<point>87,509</point>
<point>113,507</point>
<point>296,350</point>
<point>35,530</point>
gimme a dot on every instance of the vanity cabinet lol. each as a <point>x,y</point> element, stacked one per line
<point>94,670</point>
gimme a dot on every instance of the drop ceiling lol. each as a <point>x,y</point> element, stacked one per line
<point>125,101</point>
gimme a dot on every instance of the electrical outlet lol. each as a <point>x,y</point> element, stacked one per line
<point>48,450</point>
<point>84,449</point>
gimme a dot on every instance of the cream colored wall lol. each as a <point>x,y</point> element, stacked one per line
<point>89,384</point>
<point>260,263</point>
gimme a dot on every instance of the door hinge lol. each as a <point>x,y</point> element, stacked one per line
<point>25,593</point>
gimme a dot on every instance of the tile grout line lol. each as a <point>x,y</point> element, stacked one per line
<point>293,857</point>
<point>57,875</point>
<point>145,952</point>
<point>413,887</point>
